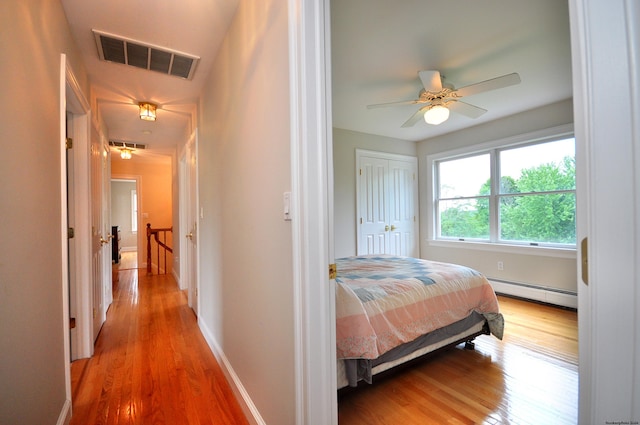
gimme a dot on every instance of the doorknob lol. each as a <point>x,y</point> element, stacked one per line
<point>190,235</point>
<point>393,227</point>
<point>386,228</point>
<point>103,241</point>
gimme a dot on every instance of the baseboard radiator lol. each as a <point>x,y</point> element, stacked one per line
<point>537,293</point>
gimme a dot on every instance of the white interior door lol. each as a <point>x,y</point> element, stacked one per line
<point>189,222</point>
<point>373,206</point>
<point>192,213</point>
<point>606,60</point>
<point>403,194</point>
<point>100,270</point>
<point>107,276</point>
<point>386,211</point>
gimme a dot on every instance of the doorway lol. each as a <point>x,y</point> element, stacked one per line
<point>125,223</point>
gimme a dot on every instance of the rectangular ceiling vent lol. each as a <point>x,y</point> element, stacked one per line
<point>118,49</point>
<point>130,145</point>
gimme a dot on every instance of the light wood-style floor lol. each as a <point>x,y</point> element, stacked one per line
<point>128,260</point>
<point>151,364</point>
<point>531,377</point>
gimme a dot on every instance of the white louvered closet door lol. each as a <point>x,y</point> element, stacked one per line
<point>387,194</point>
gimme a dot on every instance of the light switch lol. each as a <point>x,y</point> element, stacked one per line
<point>287,206</point>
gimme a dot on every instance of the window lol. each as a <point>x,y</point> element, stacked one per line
<point>522,194</point>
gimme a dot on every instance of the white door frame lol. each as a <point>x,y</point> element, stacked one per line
<point>609,365</point>
<point>76,103</point>
<point>141,233</point>
<point>312,212</point>
<point>606,61</point>
<point>72,100</point>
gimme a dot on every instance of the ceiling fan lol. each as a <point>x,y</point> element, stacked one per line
<point>439,97</point>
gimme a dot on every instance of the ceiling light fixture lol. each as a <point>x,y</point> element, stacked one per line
<point>125,153</point>
<point>437,114</point>
<point>147,111</point>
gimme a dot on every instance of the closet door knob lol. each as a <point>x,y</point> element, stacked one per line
<point>386,228</point>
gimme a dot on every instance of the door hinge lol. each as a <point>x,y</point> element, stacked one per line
<point>72,323</point>
<point>333,271</point>
<point>361,171</point>
<point>71,233</point>
<point>94,313</point>
<point>360,220</point>
<point>584,254</point>
<point>68,143</point>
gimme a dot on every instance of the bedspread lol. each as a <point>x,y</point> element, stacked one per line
<point>384,301</point>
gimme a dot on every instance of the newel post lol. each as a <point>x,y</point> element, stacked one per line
<point>148,247</point>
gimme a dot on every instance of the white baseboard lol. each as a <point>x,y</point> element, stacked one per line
<point>546,295</point>
<point>65,414</point>
<point>248,407</point>
<point>176,277</point>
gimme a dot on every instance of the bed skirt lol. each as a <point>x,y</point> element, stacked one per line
<point>351,371</point>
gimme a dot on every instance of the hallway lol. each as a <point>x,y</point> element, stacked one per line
<point>151,363</point>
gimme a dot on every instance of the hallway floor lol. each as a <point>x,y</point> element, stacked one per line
<point>151,363</point>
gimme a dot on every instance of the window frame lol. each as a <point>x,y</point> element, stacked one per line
<point>492,148</point>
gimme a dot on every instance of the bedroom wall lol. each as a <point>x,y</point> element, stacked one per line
<point>345,143</point>
<point>33,34</point>
<point>246,281</point>
<point>155,195</point>
<point>547,270</point>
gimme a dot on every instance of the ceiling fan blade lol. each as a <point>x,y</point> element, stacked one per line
<point>416,117</point>
<point>402,102</point>
<point>492,84</point>
<point>431,81</point>
<point>466,109</point>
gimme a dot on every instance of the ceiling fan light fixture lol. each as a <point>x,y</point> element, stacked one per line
<point>147,111</point>
<point>125,153</point>
<point>437,114</point>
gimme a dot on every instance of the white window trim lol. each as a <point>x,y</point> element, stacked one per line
<point>547,134</point>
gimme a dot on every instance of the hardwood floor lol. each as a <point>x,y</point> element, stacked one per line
<point>128,260</point>
<point>151,364</point>
<point>531,377</point>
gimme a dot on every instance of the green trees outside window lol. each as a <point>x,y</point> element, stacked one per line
<point>534,203</point>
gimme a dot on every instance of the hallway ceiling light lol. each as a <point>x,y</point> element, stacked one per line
<point>147,111</point>
<point>125,153</point>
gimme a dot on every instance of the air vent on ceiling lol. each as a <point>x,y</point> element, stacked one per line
<point>130,145</point>
<point>118,49</point>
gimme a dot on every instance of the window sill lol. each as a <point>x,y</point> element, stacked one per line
<point>544,251</point>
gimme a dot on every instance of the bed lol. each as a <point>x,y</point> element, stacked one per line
<point>392,309</point>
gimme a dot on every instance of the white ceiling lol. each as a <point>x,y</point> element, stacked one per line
<point>378,47</point>
<point>195,27</point>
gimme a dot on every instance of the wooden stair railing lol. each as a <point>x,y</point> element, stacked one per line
<point>160,236</point>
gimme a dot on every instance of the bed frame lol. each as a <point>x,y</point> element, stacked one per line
<point>354,371</point>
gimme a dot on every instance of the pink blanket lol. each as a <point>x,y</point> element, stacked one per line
<point>384,301</point>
